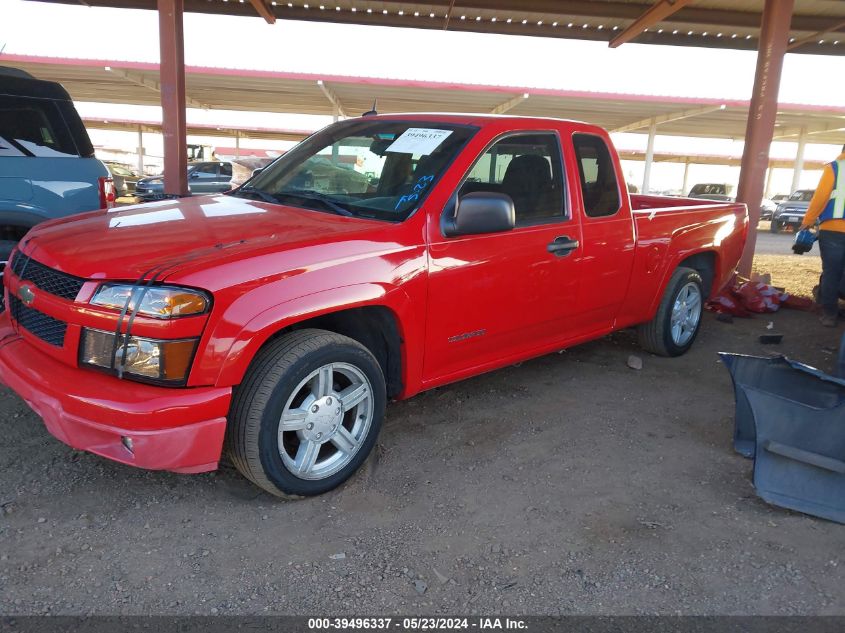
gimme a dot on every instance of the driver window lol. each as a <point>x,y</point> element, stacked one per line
<point>527,167</point>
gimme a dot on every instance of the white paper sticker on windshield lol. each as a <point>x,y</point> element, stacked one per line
<point>419,140</point>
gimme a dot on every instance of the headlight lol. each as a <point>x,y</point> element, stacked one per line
<point>161,302</point>
<point>165,361</point>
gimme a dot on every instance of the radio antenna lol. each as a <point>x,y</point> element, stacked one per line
<point>373,111</point>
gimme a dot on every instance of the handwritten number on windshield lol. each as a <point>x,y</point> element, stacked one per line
<point>421,185</point>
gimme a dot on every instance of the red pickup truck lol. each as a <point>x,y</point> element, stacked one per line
<point>380,257</point>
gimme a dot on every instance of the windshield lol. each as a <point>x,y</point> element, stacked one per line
<point>366,168</point>
<point>804,195</point>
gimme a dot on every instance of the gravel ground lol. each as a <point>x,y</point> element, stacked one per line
<point>773,255</point>
<point>571,484</point>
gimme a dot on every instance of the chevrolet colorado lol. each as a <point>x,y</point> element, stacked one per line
<point>382,256</point>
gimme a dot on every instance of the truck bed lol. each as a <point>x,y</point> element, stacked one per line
<point>643,202</point>
<point>669,231</point>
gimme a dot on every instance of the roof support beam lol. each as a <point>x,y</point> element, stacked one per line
<point>668,118</point>
<point>263,10</point>
<point>449,15</point>
<point>510,104</point>
<point>657,13</point>
<point>332,97</point>
<point>815,36</point>
<point>787,134</point>
<point>140,80</point>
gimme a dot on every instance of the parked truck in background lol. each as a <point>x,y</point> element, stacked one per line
<point>275,322</point>
<point>791,212</point>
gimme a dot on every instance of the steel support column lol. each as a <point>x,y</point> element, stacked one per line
<point>140,150</point>
<point>799,160</point>
<point>685,187</point>
<point>774,36</point>
<point>237,145</point>
<point>767,192</point>
<point>172,70</point>
<point>649,156</point>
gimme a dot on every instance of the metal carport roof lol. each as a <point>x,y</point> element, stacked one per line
<point>285,92</point>
<point>816,24</point>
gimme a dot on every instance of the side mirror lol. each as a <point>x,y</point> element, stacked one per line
<point>481,212</point>
<point>255,172</point>
<point>194,174</point>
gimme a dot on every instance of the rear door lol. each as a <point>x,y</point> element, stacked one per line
<point>609,239</point>
<point>500,295</point>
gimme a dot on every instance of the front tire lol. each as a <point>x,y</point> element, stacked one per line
<point>774,227</point>
<point>307,414</point>
<point>673,329</point>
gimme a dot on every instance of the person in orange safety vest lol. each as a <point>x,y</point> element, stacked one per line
<point>828,208</point>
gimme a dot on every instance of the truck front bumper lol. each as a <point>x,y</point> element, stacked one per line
<point>157,428</point>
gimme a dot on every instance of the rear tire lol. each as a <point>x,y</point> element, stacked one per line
<point>307,413</point>
<point>673,329</point>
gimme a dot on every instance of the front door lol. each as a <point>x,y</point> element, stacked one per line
<point>500,295</point>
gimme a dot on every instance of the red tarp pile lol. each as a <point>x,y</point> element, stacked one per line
<point>744,297</point>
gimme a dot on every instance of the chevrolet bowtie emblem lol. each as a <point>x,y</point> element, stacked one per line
<point>27,294</point>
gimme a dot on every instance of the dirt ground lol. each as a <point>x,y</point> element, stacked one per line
<point>797,274</point>
<point>568,485</point>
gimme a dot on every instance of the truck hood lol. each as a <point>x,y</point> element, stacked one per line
<point>129,242</point>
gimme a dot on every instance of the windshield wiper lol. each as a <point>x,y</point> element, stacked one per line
<point>256,193</point>
<point>316,196</point>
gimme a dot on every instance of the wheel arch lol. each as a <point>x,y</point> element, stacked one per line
<point>706,264</point>
<point>376,327</point>
<point>378,320</point>
<point>704,261</point>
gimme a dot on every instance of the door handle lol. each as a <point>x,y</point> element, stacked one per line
<point>562,246</point>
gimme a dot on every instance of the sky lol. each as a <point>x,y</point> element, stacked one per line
<point>37,28</point>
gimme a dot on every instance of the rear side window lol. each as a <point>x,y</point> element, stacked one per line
<point>598,177</point>
<point>226,170</point>
<point>33,127</point>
